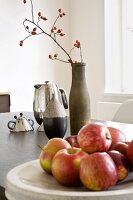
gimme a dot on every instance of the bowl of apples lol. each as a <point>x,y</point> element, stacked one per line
<point>86,166</point>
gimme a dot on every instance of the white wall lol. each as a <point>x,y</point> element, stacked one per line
<point>87,24</point>
<point>23,67</point>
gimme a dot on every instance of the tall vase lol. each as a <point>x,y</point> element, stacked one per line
<point>79,99</point>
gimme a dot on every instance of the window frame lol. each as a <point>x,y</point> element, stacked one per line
<point>114,18</point>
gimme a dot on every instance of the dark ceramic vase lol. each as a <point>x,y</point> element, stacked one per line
<point>79,99</point>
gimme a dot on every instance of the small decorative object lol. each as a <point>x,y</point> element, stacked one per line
<point>42,96</point>
<point>20,124</point>
<point>80,104</point>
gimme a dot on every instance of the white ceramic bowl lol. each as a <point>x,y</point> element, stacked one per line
<point>29,182</point>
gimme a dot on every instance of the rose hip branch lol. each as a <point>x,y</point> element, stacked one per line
<point>34,28</point>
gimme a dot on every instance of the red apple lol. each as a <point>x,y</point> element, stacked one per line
<point>98,171</point>
<point>117,135</point>
<point>130,154</point>
<point>94,137</point>
<point>65,166</point>
<point>121,147</point>
<point>48,152</point>
<point>121,164</point>
<point>72,141</point>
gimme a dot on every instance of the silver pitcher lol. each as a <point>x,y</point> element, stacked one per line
<point>42,96</point>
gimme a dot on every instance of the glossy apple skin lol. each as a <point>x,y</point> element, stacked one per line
<point>121,147</point>
<point>94,138</point>
<point>49,150</point>
<point>121,163</point>
<point>98,171</point>
<point>130,154</point>
<point>117,135</point>
<point>72,141</point>
<point>65,166</point>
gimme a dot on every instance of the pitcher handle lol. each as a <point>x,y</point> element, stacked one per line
<point>64,98</point>
<point>31,122</point>
<point>11,124</point>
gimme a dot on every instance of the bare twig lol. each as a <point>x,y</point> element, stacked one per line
<point>54,32</point>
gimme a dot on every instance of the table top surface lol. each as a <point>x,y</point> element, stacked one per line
<point>18,147</point>
<point>21,147</point>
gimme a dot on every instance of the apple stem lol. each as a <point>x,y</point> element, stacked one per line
<point>73,145</point>
<point>109,138</point>
<point>40,147</point>
<point>127,142</point>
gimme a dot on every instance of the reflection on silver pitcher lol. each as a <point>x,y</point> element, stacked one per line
<point>42,96</point>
